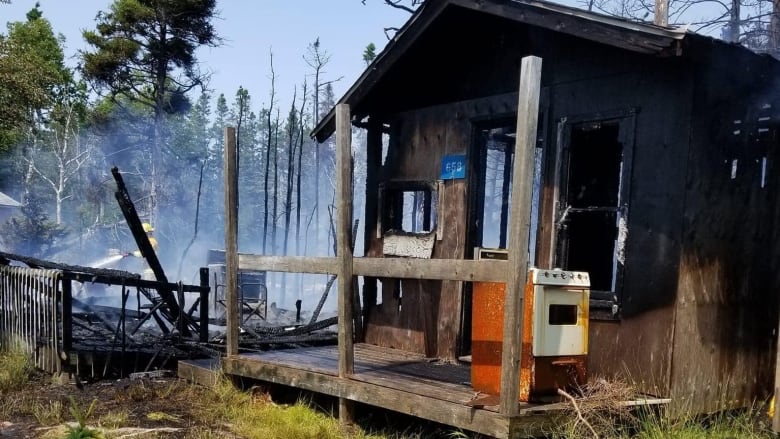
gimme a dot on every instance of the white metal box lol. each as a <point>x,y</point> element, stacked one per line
<point>560,312</point>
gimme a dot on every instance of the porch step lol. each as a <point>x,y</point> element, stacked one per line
<point>204,372</point>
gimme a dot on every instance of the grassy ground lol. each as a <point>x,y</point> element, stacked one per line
<point>32,405</point>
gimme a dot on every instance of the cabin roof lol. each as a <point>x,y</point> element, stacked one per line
<point>6,201</point>
<point>640,37</point>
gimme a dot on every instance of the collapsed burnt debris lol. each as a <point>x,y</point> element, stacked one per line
<point>98,339</point>
<point>102,322</point>
<point>138,335</point>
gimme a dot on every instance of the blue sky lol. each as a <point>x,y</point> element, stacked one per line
<point>251,29</point>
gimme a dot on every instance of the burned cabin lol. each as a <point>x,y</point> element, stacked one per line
<point>654,170</point>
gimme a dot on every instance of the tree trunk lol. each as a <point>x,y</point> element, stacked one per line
<point>734,22</point>
<point>774,28</point>
<point>275,211</point>
<point>268,158</point>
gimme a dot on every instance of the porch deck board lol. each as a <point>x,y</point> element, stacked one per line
<point>388,378</point>
<point>390,368</point>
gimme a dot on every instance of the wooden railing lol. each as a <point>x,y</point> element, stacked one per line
<point>31,315</point>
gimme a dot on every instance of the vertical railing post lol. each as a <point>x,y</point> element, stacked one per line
<point>344,249</point>
<point>519,229</point>
<point>204,305</point>
<point>231,240</point>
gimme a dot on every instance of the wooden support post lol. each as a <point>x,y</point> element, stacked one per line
<point>231,240</point>
<point>373,167</point>
<point>204,305</point>
<point>519,228</point>
<point>344,256</point>
<point>67,316</point>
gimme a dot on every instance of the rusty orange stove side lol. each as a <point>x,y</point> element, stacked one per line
<point>539,376</point>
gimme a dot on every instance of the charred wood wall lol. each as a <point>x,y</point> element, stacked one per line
<point>427,317</point>
<point>637,345</point>
<point>700,264</point>
<point>726,310</point>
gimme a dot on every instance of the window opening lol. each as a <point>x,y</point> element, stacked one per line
<point>591,216</point>
<point>410,207</point>
<point>385,147</point>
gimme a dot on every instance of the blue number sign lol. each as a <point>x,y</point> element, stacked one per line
<point>453,167</point>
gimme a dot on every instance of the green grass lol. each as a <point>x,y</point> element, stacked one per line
<point>114,419</point>
<point>254,416</point>
<point>15,370</point>
<point>752,423</point>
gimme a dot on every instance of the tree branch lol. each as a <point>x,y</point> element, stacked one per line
<point>580,418</point>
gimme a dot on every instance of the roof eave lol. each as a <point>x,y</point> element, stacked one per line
<point>658,39</point>
<point>373,73</point>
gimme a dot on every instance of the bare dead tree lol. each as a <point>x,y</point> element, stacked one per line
<point>405,5</point>
<point>753,23</point>
<point>301,119</point>
<point>409,6</point>
<point>197,220</point>
<point>69,155</point>
<point>268,152</point>
<point>275,216</point>
<point>301,137</point>
<point>292,144</point>
<point>317,59</point>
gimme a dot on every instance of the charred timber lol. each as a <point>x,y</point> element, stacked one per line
<point>135,282</point>
<point>144,246</point>
<point>84,272</point>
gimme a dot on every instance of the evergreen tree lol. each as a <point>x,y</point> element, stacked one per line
<point>33,75</point>
<point>369,54</point>
<point>144,52</point>
<point>33,233</point>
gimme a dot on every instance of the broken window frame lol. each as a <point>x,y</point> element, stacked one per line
<point>391,198</point>
<point>604,304</point>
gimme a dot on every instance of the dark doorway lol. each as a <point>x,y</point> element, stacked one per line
<point>495,153</point>
<point>490,186</point>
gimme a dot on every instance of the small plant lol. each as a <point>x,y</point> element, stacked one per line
<point>138,391</point>
<point>81,431</point>
<point>169,389</point>
<point>49,413</point>
<point>113,420</point>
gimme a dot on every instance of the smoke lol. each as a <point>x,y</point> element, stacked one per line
<point>185,205</point>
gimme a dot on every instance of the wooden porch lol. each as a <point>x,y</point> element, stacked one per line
<point>392,379</point>
<point>395,380</point>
